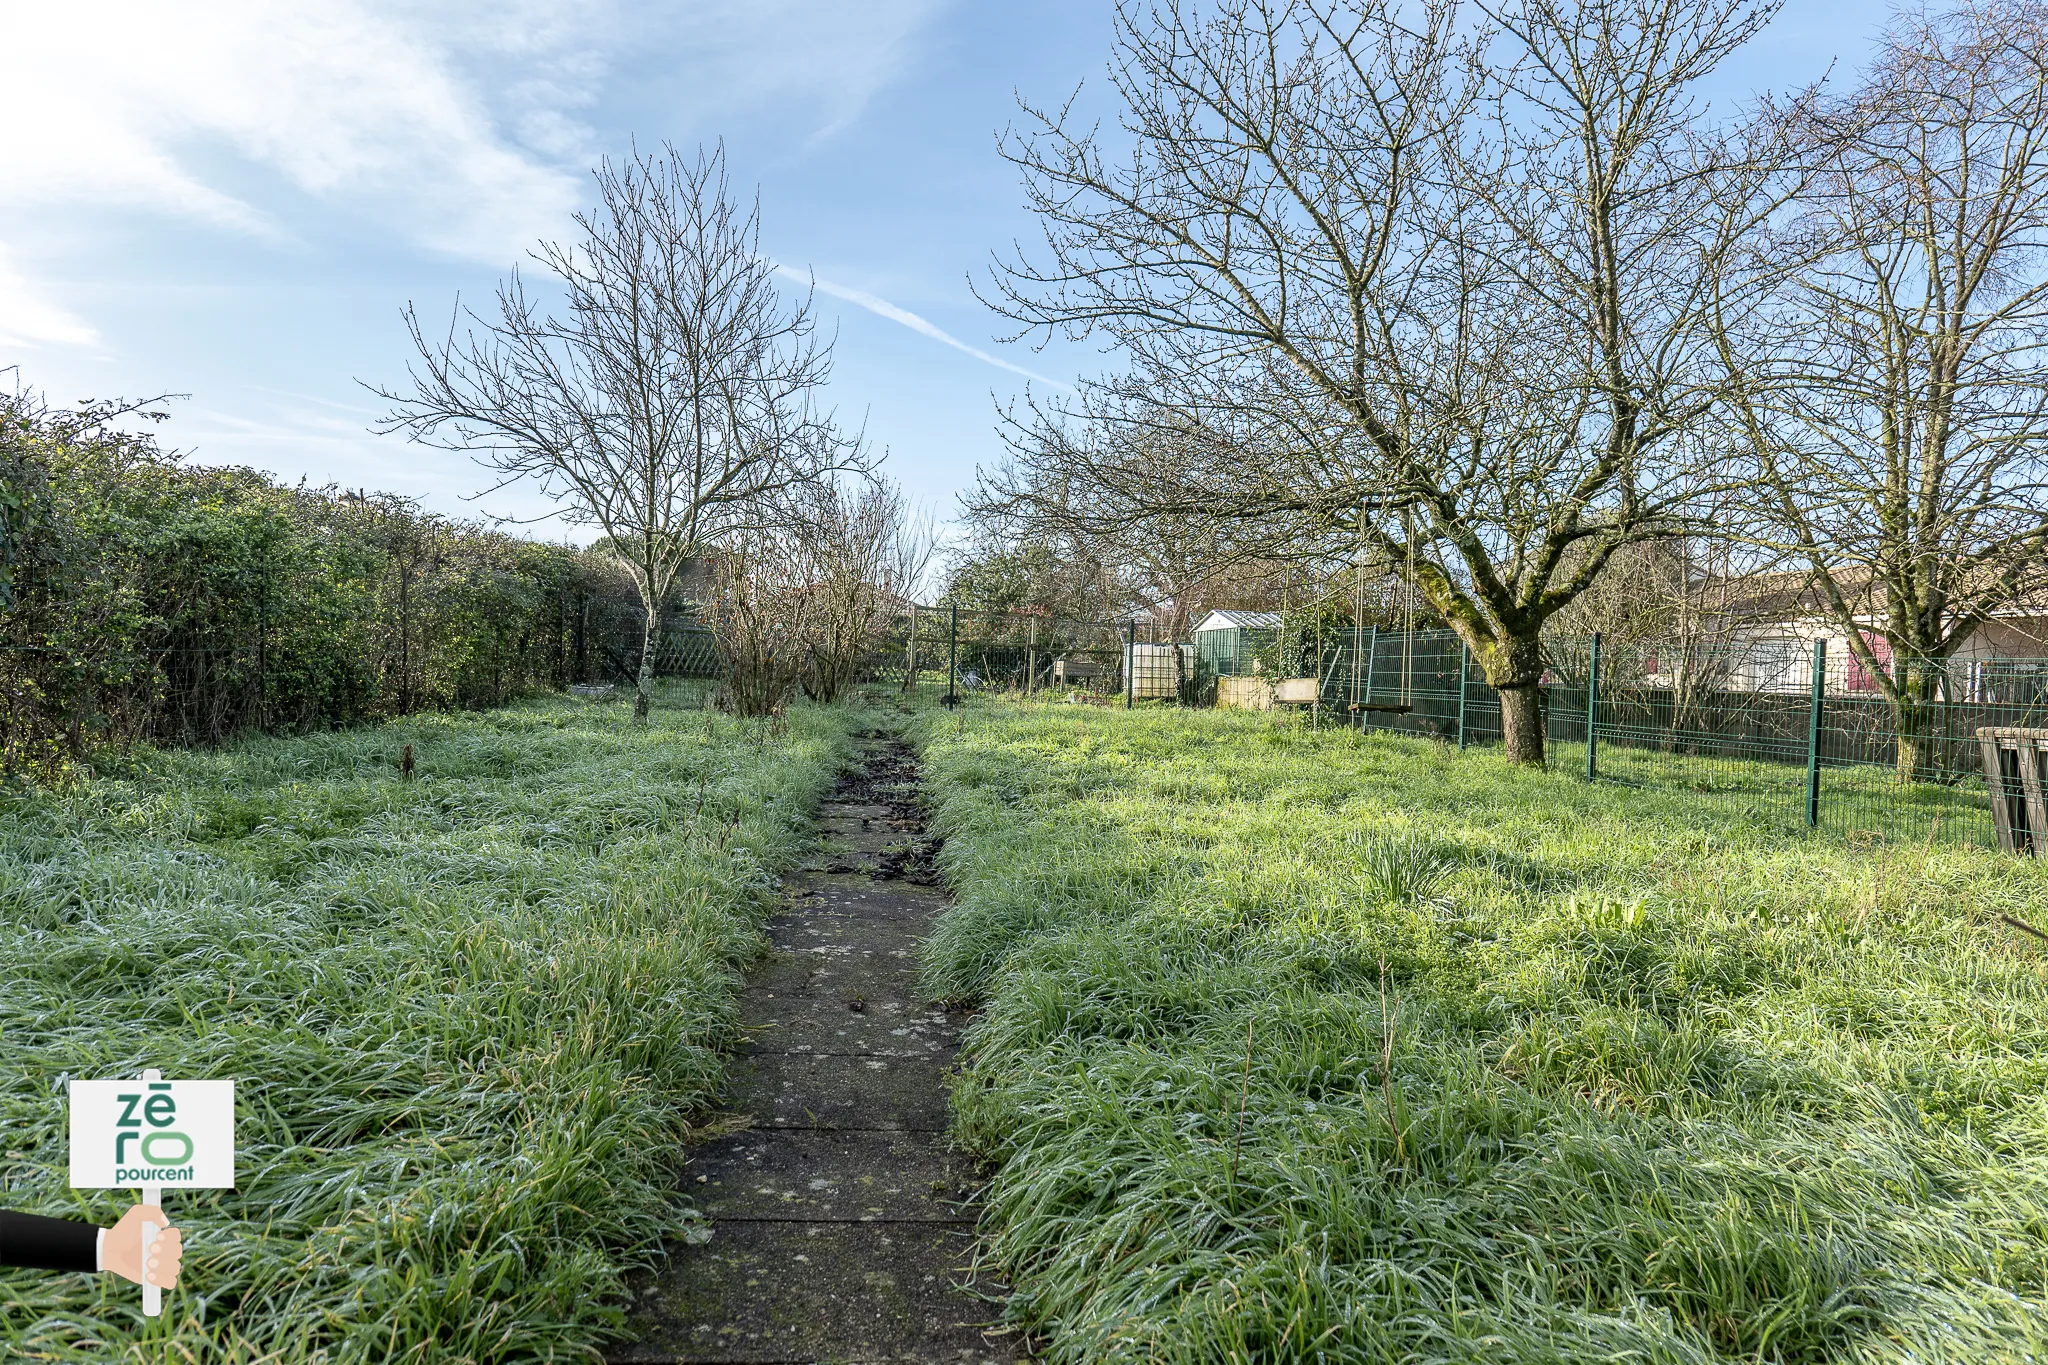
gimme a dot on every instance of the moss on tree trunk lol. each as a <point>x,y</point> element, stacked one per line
<point>1514,667</point>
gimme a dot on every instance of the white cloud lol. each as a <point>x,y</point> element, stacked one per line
<point>328,442</point>
<point>827,57</point>
<point>141,104</point>
<point>460,125</point>
<point>463,127</point>
<point>881,307</point>
<point>30,317</point>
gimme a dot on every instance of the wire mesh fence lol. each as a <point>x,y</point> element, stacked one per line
<point>1780,730</point>
<point>969,650</point>
<point>1783,730</point>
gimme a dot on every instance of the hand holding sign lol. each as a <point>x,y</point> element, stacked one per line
<point>122,1251</point>
<point>151,1135</point>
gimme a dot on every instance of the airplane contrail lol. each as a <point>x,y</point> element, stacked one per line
<point>883,308</point>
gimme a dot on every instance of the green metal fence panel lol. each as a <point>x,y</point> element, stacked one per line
<point>1782,730</point>
<point>606,636</point>
<point>1036,654</point>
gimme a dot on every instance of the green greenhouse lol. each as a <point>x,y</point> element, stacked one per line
<point>1227,640</point>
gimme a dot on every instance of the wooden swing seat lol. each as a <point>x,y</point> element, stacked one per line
<point>1297,691</point>
<point>1307,691</point>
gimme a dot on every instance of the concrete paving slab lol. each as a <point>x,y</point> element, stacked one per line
<point>879,926</point>
<point>863,841</point>
<point>762,1292</point>
<point>837,978</point>
<point>798,1090</point>
<point>838,892</point>
<point>796,1176</point>
<point>781,971</point>
<point>866,971</point>
<point>853,810</point>
<point>829,1022</point>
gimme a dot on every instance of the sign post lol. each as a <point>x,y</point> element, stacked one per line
<point>152,1195</point>
<point>152,1135</point>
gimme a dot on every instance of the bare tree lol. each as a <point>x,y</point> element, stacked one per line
<point>763,606</point>
<point>1683,614</point>
<point>669,399</point>
<point>1898,406</point>
<point>1176,568</point>
<point>1639,597</point>
<point>1387,284</point>
<point>1013,568</point>
<point>871,551</point>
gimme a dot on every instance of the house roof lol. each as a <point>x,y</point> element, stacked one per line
<point>1239,620</point>
<point>1796,594</point>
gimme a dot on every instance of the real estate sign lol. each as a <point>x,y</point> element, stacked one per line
<point>173,1135</point>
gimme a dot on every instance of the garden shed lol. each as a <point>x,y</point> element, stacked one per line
<point>1227,639</point>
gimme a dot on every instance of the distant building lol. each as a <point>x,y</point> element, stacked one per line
<point>1769,623</point>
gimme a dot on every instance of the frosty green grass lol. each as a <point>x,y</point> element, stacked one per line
<point>470,1017</point>
<point>1311,1046</point>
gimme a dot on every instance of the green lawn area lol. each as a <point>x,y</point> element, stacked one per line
<point>1864,802</point>
<point>470,1017</point>
<point>1324,1046</point>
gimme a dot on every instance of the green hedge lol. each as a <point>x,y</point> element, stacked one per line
<point>142,599</point>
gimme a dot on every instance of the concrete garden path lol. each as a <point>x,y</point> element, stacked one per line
<point>838,1225</point>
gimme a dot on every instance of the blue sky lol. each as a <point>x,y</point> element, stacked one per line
<point>235,199</point>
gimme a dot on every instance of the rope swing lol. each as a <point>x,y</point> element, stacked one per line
<point>1362,704</point>
<point>1408,619</point>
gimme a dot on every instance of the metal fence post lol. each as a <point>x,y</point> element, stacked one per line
<point>1131,664</point>
<point>1813,719</point>
<point>1464,663</point>
<point>1031,659</point>
<point>953,656</point>
<point>910,652</point>
<point>1593,711</point>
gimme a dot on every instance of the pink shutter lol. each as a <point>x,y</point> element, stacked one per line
<point>1860,679</point>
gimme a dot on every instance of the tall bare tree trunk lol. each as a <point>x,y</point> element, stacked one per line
<point>1521,724</point>
<point>1912,712</point>
<point>643,696</point>
<point>1911,742</point>
<point>1514,667</point>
